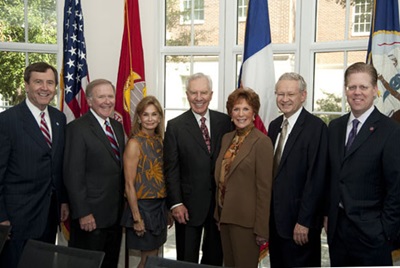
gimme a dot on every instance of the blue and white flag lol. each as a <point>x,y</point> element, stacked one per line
<point>384,54</point>
<point>257,71</point>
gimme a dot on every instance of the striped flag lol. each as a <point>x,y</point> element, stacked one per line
<point>74,75</point>
<point>131,85</point>
<point>384,54</point>
<point>257,71</point>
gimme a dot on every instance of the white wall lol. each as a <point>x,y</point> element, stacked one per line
<point>104,22</point>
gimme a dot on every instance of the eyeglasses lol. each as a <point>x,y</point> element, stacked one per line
<point>353,88</point>
<point>288,95</point>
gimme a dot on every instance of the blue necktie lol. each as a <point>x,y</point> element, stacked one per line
<point>352,134</point>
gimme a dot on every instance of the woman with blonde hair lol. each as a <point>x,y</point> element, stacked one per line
<point>146,216</point>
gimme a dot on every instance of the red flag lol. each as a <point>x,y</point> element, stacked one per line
<point>74,75</point>
<point>131,85</point>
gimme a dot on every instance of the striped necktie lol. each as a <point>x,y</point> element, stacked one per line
<point>111,138</point>
<point>45,129</point>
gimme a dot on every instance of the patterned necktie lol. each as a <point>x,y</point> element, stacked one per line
<point>352,134</point>
<point>279,148</point>
<point>206,136</point>
<point>111,138</point>
<point>45,129</point>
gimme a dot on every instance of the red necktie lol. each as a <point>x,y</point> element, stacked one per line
<point>206,136</point>
<point>111,138</point>
<point>45,129</point>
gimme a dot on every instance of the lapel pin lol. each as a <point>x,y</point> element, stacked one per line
<point>57,123</point>
<point>371,129</point>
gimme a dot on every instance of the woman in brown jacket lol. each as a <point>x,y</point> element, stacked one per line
<point>243,177</point>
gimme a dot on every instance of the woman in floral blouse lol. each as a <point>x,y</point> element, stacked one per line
<point>146,216</point>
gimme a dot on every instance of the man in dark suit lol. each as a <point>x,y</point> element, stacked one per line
<point>189,162</point>
<point>93,174</point>
<point>301,149</point>
<point>32,194</point>
<point>364,146</point>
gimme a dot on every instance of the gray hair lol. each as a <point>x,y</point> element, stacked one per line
<point>95,83</point>
<point>198,76</point>
<point>293,77</point>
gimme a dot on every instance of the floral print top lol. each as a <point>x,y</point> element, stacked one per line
<point>149,182</point>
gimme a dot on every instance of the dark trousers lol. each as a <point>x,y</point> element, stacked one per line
<point>346,249</point>
<point>13,248</point>
<point>284,252</point>
<point>107,240</point>
<point>188,239</point>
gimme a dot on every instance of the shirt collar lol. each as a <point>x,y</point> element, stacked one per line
<point>293,118</point>
<point>101,120</point>
<point>362,118</point>
<point>35,110</point>
<point>206,115</point>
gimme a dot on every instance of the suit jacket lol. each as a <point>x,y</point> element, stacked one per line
<point>93,175</point>
<point>298,187</point>
<point>248,183</point>
<point>366,179</point>
<point>29,170</point>
<point>188,166</point>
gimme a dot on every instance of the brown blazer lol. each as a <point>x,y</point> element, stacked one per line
<point>249,182</point>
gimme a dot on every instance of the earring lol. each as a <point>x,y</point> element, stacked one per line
<point>139,121</point>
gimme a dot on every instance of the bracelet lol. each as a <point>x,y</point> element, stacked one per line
<point>137,221</point>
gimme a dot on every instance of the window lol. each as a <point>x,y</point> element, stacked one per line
<point>326,46</point>
<point>362,17</point>
<point>28,33</point>
<point>242,10</point>
<point>313,38</point>
<point>192,10</point>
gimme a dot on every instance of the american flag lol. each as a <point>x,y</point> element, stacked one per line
<point>74,75</point>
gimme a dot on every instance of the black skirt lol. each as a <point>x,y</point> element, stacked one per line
<point>154,214</point>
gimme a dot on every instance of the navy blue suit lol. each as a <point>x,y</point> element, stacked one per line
<point>30,172</point>
<point>366,181</point>
<point>297,191</point>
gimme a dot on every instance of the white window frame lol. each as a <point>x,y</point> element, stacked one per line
<point>242,10</point>
<point>357,22</point>
<point>26,47</point>
<point>193,12</point>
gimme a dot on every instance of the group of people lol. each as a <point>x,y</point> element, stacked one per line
<point>228,188</point>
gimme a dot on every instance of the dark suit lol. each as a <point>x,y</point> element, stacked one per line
<point>189,174</point>
<point>366,181</point>
<point>94,180</point>
<point>30,175</point>
<point>298,190</point>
